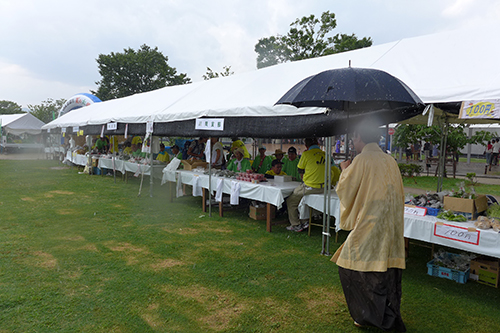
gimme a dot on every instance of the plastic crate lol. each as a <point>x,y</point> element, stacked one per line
<point>447,273</point>
<point>433,211</point>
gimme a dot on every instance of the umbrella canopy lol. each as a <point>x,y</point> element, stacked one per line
<point>353,94</point>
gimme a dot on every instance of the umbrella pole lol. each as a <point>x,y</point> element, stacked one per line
<point>329,187</point>
<point>326,199</point>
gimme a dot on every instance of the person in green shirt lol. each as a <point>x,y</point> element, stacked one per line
<point>262,163</point>
<point>138,152</point>
<point>101,145</point>
<point>177,152</point>
<point>238,163</point>
<point>275,169</point>
<point>290,163</point>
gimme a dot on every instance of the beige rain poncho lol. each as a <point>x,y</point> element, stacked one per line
<point>372,206</point>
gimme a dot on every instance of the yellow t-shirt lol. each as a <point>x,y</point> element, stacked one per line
<point>128,151</point>
<point>313,162</point>
<point>163,157</point>
<point>136,140</point>
<point>272,173</point>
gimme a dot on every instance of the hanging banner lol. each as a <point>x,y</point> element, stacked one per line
<point>126,131</point>
<point>146,144</point>
<point>112,126</point>
<point>214,124</point>
<point>482,109</point>
<point>76,129</point>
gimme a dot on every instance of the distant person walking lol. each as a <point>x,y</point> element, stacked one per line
<point>496,150</point>
<point>488,151</point>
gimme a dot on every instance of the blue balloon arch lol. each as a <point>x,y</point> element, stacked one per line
<point>77,101</point>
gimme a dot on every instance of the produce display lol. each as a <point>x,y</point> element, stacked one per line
<point>426,200</point>
<point>459,262</point>
<point>484,222</point>
<point>249,176</point>
<point>450,216</point>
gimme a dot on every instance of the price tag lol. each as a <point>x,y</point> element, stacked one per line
<point>112,126</point>
<point>456,233</point>
<point>415,210</point>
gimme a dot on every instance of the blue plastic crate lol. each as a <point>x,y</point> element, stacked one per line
<point>447,273</point>
<point>433,211</point>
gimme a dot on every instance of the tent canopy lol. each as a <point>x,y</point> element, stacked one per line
<point>21,123</point>
<point>444,68</point>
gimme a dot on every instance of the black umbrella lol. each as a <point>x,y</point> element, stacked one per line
<point>352,94</point>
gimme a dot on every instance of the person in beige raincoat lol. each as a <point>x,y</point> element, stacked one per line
<point>372,258</point>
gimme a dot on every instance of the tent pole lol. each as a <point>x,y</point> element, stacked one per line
<point>113,158</point>
<point>151,170</point>
<point>210,187</point>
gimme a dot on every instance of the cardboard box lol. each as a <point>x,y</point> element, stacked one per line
<point>282,179</point>
<point>260,213</point>
<point>487,270</point>
<point>470,208</point>
<point>193,164</point>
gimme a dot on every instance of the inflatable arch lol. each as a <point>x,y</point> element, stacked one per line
<point>77,101</point>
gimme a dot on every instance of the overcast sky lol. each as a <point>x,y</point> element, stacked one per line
<point>48,48</point>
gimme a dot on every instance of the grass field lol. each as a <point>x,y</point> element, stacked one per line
<point>81,253</point>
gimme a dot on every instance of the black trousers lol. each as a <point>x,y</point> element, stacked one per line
<point>374,298</point>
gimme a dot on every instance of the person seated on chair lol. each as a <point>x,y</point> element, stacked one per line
<point>275,170</point>
<point>262,163</point>
<point>163,156</point>
<point>177,152</point>
<point>238,163</point>
<point>278,154</point>
<point>237,143</point>
<point>128,148</point>
<point>138,152</point>
<point>290,163</point>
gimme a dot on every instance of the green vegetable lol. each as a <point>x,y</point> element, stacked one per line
<point>450,216</point>
<point>493,210</point>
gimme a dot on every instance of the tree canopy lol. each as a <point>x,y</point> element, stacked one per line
<point>47,110</point>
<point>8,107</point>
<point>132,72</point>
<point>308,37</point>
<point>210,74</point>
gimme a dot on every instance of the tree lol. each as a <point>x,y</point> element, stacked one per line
<point>132,72</point>
<point>8,107</point>
<point>457,137</point>
<point>47,110</point>
<point>307,38</point>
<point>210,74</point>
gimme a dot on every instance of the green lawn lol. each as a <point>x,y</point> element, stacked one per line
<point>80,253</point>
<point>430,184</point>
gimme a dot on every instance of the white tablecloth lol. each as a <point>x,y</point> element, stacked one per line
<point>419,228</point>
<point>125,166</point>
<point>316,201</point>
<point>75,158</point>
<point>270,192</point>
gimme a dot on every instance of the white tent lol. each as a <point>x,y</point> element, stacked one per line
<point>18,124</point>
<point>440,68</point>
